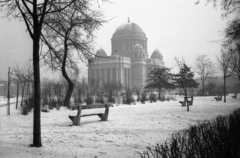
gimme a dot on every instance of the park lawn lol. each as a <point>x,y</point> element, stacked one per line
<point>130,129</point>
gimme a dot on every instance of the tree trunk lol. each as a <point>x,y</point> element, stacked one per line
<point>8,95</point>
<point>77,123</point>
<point>28,90</point>
<point>36,71</point>
<point>23,87</point>
<point>17,94</point>
<point>224,89</point>
<point>203,88</point>
<point>65,75</point>
<point>185,98</point>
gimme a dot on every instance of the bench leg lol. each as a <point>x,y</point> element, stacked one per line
<point>76,119</point>
<point>105,115</point>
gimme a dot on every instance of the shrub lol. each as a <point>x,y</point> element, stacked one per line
<point>59,101</point>
<point>217,138</point>
<point>153,98</point>
<point>143,98</point>
<point>111,100</point>
<point>100,100</point>
<point>128,99</point>
<point>27,106</point>
<point>89,100</point>
<point>44,101</point>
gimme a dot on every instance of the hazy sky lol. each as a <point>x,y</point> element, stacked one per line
<point>174,27</point>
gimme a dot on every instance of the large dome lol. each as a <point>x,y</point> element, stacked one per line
<point>129,28</point>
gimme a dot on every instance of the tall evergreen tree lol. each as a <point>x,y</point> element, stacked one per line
<point>184,79</point>
<point>159,77</point>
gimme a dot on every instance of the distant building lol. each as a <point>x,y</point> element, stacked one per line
<point>129,62</point>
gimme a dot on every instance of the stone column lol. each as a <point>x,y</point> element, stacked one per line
<point>129,78</point>
<point>111,77</point>
<point>117,73</point>
<point>100,75</point>
<point>126,77</point>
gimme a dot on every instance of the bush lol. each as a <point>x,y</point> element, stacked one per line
<point>219,138</point>
<point>27,106</point>
<point>100,100</point>
<point>59,101</point>
<point>143,98</point>
<point>153,98</point>
<point>111,100</point>
<point>89,100</point>
<point>128,98</point>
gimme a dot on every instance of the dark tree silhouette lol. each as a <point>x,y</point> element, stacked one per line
<point>159,77</point>
<point>232,40</point>
<point>184,78</point>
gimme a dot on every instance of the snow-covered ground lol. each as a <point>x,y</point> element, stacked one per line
<point>130,129</point>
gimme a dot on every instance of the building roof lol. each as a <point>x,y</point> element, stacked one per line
<point>101,52</point>
<point>128,28</point>
<point>156,55</point>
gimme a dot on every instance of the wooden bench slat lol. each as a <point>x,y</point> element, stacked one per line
<point>91,114</point>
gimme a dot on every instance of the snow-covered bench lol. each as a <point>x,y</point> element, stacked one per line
<point>235,95</point>
<point>190,102</point>
<point>103,116</point>
<point>218,98</point>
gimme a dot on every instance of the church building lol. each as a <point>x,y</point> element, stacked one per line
<point>129,62</point>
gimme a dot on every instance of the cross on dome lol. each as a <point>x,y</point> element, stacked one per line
<point>128,19</point>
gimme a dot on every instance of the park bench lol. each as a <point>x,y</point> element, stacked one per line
<point>103,116</point>
<point>218,98</point>
<point>234,96</point>
<point>190,102</point>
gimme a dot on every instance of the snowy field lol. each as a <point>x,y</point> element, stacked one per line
<point>130,129</point>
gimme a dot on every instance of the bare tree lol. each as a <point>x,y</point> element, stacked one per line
<point>111,89</point>
<point>204,67</point>
<point>71,33</point>
<point>24,77</point>
<point>227,6</point>
<point>224,63</point>
<point>33,14</point>
<point>8,95</point>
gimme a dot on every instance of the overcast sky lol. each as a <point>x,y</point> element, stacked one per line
<point>174,27</point>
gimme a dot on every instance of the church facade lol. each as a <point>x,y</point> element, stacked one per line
<point>129,62</point>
